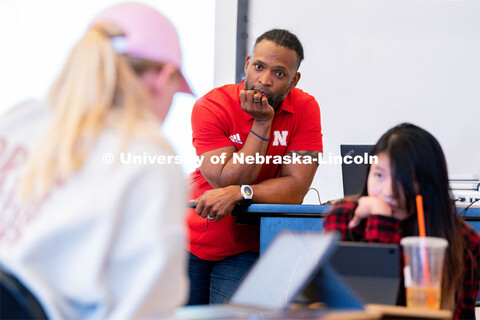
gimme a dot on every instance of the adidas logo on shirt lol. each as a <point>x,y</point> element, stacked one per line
<point>236,138</point>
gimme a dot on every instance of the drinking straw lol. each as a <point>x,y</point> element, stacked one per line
<point>421,230</point>
<point>420,216</point>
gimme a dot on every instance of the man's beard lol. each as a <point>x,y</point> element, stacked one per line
<point>273,100</point>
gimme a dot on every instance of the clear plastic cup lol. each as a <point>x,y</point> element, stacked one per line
<point>423,271</point>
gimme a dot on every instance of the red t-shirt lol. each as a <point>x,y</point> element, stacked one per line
<point>218,121</point>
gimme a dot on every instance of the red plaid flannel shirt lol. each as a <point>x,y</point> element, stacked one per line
<point>383,229</point>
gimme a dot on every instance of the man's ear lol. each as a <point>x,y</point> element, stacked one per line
<point>247,62</point>
<point>295,80</point>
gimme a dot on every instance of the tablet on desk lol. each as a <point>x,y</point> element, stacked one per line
<point>371,270</point>
<point>278,276</point>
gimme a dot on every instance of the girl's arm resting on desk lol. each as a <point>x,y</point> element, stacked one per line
<point>375,228</point>
<point>382,229</point>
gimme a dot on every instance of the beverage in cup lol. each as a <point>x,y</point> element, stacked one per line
<point>423,271</point>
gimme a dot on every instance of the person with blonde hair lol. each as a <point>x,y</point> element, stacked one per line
<point>91,233</point>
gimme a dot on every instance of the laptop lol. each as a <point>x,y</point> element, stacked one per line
<point>371,270</point>
<point>353,174</point>
<point>286,267</point>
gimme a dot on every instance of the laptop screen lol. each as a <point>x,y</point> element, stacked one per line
<point>284,269</point>
<point>353,174</point>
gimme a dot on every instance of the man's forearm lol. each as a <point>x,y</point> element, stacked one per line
<point>280,190</point>
<point>233,172</point>
<point>217,203</point>
<point>290,188</point>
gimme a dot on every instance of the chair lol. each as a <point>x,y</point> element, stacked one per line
<point>16,301</point>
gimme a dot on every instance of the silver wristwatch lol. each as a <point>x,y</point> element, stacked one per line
<point>247,192</point>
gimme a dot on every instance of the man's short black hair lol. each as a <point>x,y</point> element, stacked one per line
<point>285,39</point>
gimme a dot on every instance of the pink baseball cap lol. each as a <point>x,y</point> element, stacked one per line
<point>148,35</point>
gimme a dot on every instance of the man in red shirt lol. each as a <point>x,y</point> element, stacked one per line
<point>258,141</point>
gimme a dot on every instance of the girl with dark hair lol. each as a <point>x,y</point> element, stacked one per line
<point>411,162</point>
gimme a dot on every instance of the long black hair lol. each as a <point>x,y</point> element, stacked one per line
<point>418,166</point>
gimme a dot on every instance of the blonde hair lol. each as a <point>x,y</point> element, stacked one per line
<point>97,88</point>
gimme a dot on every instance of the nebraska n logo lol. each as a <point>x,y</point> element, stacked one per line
<point>280,138</point>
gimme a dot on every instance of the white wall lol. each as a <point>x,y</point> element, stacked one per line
<point>372,64</point>
<point>36,36</point>
<point>225,41</point>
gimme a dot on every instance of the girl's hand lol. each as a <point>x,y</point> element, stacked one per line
<point>367,206</point>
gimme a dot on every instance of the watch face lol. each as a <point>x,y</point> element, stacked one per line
<point>247,192</point>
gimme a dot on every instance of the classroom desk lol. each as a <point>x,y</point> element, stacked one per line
<point>404,313</point>
<point>382,312</point>
<point>371,312</point>
<point>274,218</point>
